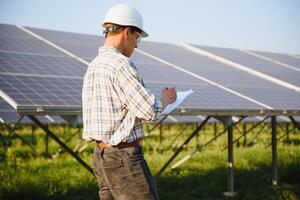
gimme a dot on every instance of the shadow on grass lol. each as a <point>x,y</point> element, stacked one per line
<point>249,184</point>
<point>84,191</point>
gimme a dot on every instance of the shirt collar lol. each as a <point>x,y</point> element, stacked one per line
<point>108,48</point>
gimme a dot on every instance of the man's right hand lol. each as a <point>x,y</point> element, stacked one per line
<point>168,96</point>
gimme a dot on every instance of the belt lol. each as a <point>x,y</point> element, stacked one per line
<point>135,143</point>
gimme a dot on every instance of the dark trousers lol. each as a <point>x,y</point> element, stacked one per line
<point>123,174</point>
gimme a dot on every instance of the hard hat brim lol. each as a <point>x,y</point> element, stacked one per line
<point>144,34</point>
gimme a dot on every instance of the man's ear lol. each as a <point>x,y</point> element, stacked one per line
<point>125,32</point>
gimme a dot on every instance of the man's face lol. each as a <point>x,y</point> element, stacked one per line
<point>133,38</point>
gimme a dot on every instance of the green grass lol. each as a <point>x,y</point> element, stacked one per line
<point>26,174</point>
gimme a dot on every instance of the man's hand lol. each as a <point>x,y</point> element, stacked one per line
<point>168,96</point>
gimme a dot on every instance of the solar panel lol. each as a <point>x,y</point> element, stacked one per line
<point>80,44</point>
<point>157,75</point>
<point>244,83</point>
<point>7,30</point>
<point>34,73</point>
<point>18,43</point>
<point>53,78</point>
<point>256,63</point>
<point>284,58</point>
<point>11,63</point>
<point>153,72</point>
<point>8,115</point>
<point>39,90</point>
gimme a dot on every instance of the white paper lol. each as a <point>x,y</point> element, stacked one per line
<point>180,97</point>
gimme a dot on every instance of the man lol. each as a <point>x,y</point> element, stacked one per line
<point>115,101</point>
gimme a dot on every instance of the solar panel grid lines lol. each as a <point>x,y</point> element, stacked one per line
<point>32,64</point>
<point>28,53</point>
<point>140,62</point>
<point>289,59</point>
<point>226,76</point>
<point>9,90</point>
<point>52,91</point>
<point>69,37</point>
<point>30,45</point>
<point>54,45</point>
<point>206,80</point>
<point>41,75</point>
<point>25,74</point>
<point>8,30</point>
<point>154,71</point>
<point>286,77</point>
<point>145,73</point>
<point>266,57</point>
<point>49,96</point>
<point>86,46</point>
<point>31,93</point>
<point>206,51</point>
<point>275,97</point>
<point>295,56</point>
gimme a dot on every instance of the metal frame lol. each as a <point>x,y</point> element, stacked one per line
<point>12,130</point>
<point>227,120</point>
<point>62,144</point>
<point>181,147</point>
<point>77,111</point>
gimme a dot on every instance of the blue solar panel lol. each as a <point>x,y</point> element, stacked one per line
<point>284,58</point>
<point>34,73</point>
<point>27,90</point>
<point>80,44</point>
<point>207,97</point>
<point>261,65</point>
<point>9,115</point>
<point>157,75</point>
<point>27,46</point>
<point>40,65</point>
<point>53,78</point>
<point>247,84</point>
<point>12,31</point>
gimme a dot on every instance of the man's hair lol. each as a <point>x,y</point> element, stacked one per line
<point>114,28</point>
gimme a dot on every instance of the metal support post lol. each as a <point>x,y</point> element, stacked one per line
<point>244,133</point>
<point>287,131</point>
<point>248,131</point>
<point>274,151</point>
<point>47,155</point>
<point>230,164</point>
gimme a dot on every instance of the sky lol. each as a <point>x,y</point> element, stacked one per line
<point>264,25</point>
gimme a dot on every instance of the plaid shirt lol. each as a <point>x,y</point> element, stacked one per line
<point>115,100</point>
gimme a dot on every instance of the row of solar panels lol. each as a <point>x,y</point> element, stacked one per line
<point>36,77</point>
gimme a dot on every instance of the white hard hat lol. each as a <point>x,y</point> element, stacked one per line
<point>125,15</point>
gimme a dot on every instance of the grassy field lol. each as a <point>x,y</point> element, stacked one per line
<point>36,174</point>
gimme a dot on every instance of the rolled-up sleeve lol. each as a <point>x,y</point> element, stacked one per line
<point>135,96</point>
